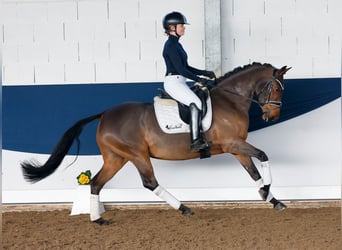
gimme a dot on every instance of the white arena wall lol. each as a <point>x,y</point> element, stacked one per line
<point>50,42</point>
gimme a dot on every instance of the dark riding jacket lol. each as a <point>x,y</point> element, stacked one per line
<point>176,60</point>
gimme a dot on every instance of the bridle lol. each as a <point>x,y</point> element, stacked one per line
<point>267,88</point>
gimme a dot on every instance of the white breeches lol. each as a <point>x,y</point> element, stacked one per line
<point>177,88</point>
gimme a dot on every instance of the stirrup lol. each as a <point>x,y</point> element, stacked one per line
<point>198,144</point>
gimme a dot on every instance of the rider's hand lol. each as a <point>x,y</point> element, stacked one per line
<point>203,81</point>
<point>207,83</point>
<point>210,74</point>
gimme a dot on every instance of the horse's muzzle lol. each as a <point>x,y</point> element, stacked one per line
<point>270,113</point>
<point>269,118</point>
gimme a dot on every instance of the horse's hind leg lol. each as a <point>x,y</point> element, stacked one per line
<point>264,182</point>
<point>145,170</point>
<point>112,164</point>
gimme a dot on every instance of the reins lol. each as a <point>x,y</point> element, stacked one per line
<point>237,94</point>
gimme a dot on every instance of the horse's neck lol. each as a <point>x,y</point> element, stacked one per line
<point>237,91</point>
<point>240,86</point>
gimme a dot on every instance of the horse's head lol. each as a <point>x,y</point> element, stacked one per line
<point>262,81</point>
<point>271,93</point>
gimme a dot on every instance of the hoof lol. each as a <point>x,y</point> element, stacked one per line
<point>101,221</point>
<point>279,206</point>
<point>186,211</point>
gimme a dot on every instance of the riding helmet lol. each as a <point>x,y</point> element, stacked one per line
<point>173,18</point>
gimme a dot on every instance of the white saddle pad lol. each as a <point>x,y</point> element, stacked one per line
<point>169,120</point>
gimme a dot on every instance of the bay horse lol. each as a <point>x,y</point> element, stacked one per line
<point>130,132</point>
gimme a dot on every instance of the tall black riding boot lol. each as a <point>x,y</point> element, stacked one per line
<point>197,140</point>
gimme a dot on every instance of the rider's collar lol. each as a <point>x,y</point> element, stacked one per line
<point>174,37</point>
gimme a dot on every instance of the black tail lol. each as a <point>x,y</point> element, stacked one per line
<point>35,172</point>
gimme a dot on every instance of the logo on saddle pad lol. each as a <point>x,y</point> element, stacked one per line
<point>171,119</point>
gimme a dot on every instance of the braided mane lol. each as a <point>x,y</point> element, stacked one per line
<point>239,69</point>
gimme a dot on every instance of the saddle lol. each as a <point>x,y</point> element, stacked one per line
<point>174,117</point>
<point>184,110</point>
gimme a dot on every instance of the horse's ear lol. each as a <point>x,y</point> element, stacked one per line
<point>283,70</point>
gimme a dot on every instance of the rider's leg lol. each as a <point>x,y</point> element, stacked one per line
<point>197,140</point>
<point>176,87</point>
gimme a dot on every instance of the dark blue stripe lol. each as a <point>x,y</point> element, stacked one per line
<point>35,117</point>
<point>300,96</point>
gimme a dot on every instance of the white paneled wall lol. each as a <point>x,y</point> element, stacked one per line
<point>304,34</point>
<point>88,41</point>
<point>105,41</point>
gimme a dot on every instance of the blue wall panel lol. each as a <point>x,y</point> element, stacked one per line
<point>35,117</point>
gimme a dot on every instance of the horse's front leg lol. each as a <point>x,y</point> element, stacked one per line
<point>265,185</point>
<point>263,182</point>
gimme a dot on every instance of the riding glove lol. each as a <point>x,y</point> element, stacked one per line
<point>209,74</point>
<point>207,83</point>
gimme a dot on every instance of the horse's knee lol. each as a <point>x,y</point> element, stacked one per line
<point>95,188</point>
<point>262,156</point>
<point>150,184</point>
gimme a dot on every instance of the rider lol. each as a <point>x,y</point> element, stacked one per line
<point>178,70</point>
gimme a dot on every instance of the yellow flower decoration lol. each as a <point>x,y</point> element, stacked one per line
<point>84,178</point>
